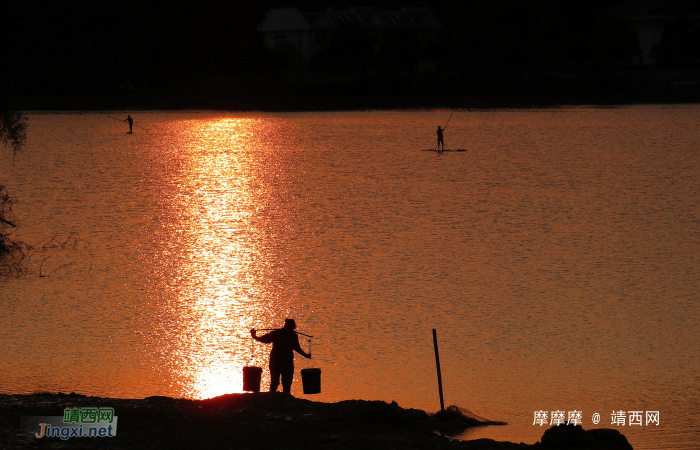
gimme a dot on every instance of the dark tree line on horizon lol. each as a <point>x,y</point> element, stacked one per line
<point>87,47</point>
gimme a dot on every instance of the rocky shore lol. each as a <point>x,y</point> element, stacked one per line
<point>271,421</point>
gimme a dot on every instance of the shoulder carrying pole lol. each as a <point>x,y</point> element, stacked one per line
<point>273,329</point>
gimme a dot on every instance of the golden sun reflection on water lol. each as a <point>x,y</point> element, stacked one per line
<point>219,256</point>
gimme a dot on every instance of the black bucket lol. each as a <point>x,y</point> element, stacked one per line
<point>251,379</point>
<point>311,379</point>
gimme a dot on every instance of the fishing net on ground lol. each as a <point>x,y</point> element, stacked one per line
<point>469,418</point>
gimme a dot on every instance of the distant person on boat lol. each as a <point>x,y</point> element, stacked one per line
<point>131,123</point>
<point>284,343</point>
<point>441,141</point>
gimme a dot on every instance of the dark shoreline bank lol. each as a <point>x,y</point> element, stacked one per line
<point>268,421</point>
<point>302,102</point>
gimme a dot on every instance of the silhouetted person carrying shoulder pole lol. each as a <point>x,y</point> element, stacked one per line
<point>131,123</point>
<point>440,138</point>
<point>284,343</point>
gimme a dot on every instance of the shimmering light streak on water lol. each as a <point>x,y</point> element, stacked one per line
<point>216,257</point>
<point>558,258</point>
<point>218,246</point>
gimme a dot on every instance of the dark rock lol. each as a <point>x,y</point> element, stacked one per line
<point>414,414</point>
<point>571,435</point>
<point>567,436</point>
<point>611,437</point>
<point>490,444</point>
<point>159,398</point>
<point>450,427</point>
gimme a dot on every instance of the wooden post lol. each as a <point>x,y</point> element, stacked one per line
<point>437,363</point>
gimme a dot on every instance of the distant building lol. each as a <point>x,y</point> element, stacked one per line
<point>649,17</point>
<point>302,34</point>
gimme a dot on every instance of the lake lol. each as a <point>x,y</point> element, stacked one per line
<point>557,258</point>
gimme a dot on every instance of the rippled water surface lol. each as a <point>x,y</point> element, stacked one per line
<point>557,258</point>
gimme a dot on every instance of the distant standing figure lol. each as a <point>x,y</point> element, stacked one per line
<point>131,123</point>
<point>441,141</point>
<point>284,343</point>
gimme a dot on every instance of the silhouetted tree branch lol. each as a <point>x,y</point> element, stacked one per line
<point>12,251</point>
<point>13,133</point>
